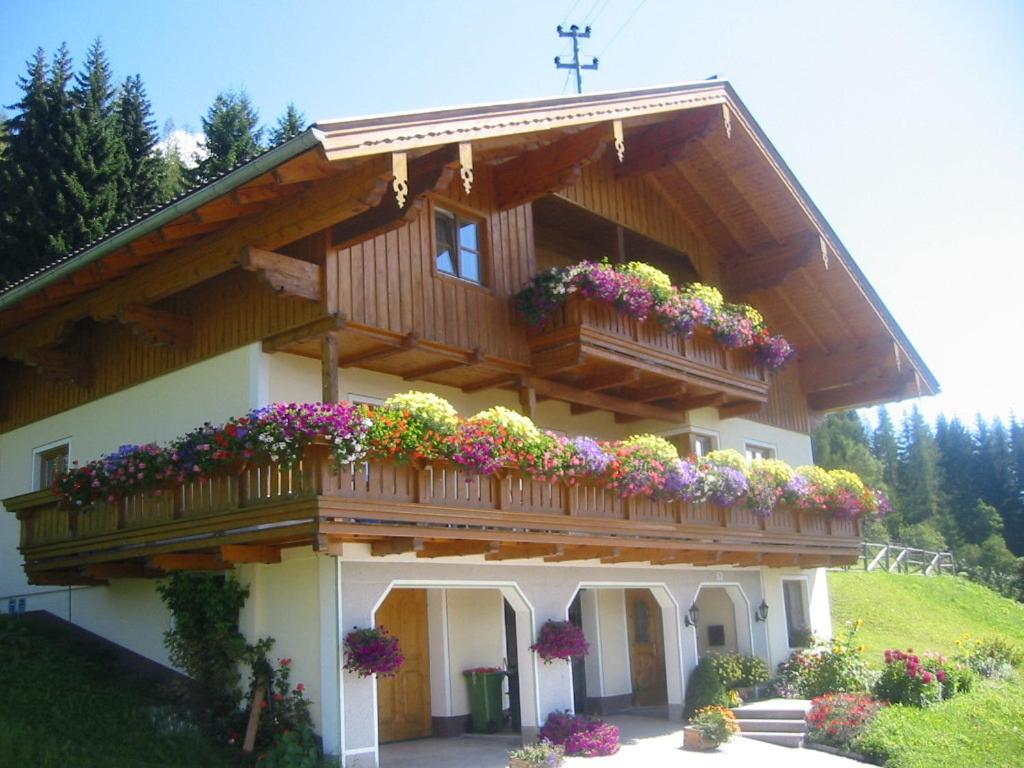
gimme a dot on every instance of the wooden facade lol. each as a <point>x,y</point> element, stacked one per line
<point>328,250</point>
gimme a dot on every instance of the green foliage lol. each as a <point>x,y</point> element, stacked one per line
<point>541,754</point>
<point>738,670</point>
<point>704,688</point>
<point>716,724</point>
<point>292,749</point>
<point>289,125</point>
<point>66,703</point>
<point>205,642</point>
<point>827,667</point>
<point>991,657</point>
<point>231,136</point>
<point>144,167</point>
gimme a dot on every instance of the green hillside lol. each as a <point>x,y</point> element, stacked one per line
<point>923,613</point>
<point>979,729</point>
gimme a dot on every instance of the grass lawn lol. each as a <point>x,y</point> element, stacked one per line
<point>65,705</point>
<point>982,728</point>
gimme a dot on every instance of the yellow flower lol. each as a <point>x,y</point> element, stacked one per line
<point>858,623</point>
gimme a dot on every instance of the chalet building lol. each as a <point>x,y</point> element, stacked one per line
<point>372,256</point>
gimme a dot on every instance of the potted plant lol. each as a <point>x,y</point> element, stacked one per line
<point>710,727</point>
<point>372,651</point>
<point>560,640</point>
<point>542,754</point>
<point>485,698</point>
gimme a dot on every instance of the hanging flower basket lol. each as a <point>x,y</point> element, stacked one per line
<point>560,640</point>
<point>372,651</point>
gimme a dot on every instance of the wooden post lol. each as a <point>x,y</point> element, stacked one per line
<point>254,720</point>
<point>329,367</point>
<point>620,245</point>
<point>528,402</point>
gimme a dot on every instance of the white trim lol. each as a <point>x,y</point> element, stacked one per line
<point>259,376</point>
<point>767,633</point>
<point>339,629</point>
<point>356,398</point>
<point>805,593</point>
<point>361,751</point>
<point>628,645</point>
<point>600,648</point>
<point>42,449</point>
<point>764,446</point>
<point>447,648</point>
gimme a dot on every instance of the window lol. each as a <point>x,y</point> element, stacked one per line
<point>796,613</point>
<point>50,461</point>
<point>458,246</point>
<point>701,445</point>
<point>716,635</point>
<point>755,451</point>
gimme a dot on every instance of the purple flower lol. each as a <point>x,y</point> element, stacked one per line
<point>682,481</point>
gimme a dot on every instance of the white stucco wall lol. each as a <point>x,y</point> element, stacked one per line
<point>716,607</point>
<point>614,642</point>
<point>819,608</point>
<point>476,638</point>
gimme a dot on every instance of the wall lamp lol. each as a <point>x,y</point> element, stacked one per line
<point>761,614</point>
<point>692,615</point>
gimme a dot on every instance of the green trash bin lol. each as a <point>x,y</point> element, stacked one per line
<point>485,699</point>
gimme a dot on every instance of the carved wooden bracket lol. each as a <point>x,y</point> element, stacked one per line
<point>620,140</point>
<point>60,366</point>
<point>400,171</point>
<point>727,121</point>
<point>157,327</point>
<point>466,165</point>
<point>289,277</point>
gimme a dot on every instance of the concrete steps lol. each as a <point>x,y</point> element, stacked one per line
<point>776,721</point>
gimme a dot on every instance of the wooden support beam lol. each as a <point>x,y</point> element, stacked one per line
<point>433,549</point>
<point>64,579</point>
<point>770,265</point>
<point>658,146</point>
<point>741,558</point>
<point>701,401</point>
<point>395,547</point>
<point>687,557</point>
<point>634,556</point>
<point>669,390</point>
<point>60,366</point>
<point>405,344</point>
<point>850,364</point>
<point>249,553</point>
<point>476,358</point>
<point>498,382</point>
<point>580,553</point>
<point>305,332</point>
<point>552,167</point>
<point>524,551</point>
<point>157,327</point>
<point>329,385</point>
<point>431,172</point>
<point>286,275</point>
<point>188,562</point>
<point>904,384</point>
<point>605,402</point>
<point>334,199</point>
<point>103,571</point>
<point>780,559</point>
<point>615,377</point>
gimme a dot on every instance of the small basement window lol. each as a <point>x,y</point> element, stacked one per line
<point>50,461</point>
<point>458,245</point>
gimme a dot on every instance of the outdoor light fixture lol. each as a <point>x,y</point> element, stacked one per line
<point>692,615</point>
<point>761,614</point>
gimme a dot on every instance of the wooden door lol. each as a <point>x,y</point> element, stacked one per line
<point>646,648</point>
<point>403,701</point>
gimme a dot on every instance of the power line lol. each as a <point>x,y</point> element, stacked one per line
<point>569,12</point>
<point>604,7</point>
<point>625,24</point>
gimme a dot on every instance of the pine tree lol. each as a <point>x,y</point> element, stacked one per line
<point>885,447</point>
<point>1000,472</point>
<point>174,180</point>
<point>103,171</point>
<point>956,463</point>
<point>841,442</point>
<point>145,167</point>
<point>4,133</point>
<point>1014,533</point>
<point>917,479</point>
<point>43,205</point>
<point>231,136</point>
<point>289,125</point>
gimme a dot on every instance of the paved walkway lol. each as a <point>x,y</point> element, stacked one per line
<point>646,742</point>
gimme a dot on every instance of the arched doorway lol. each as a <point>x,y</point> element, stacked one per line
<point>723,623</point>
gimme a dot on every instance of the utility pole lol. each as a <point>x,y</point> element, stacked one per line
<point>575,34</point>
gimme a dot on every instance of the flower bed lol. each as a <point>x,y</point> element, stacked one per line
<point>581,735</point>
<point>418,427</point>
<point>643,292</point>
<point>837,719</point>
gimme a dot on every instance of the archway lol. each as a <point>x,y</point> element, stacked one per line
<point>723,620</point>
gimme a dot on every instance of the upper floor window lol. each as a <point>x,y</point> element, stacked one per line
<point>701,445</point>
<point>755,451</point>
<point>458,242</point>
<point>50,461</point>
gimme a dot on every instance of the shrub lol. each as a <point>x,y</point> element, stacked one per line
<point>990,657</point>
<point>738,670</point>
<point>542,754</point>
<point>827,667</point>
<point>716,724</point>
<point>580,735</point>
<point>704,688</point>
<point>906,680</point>
<point>839,718</point>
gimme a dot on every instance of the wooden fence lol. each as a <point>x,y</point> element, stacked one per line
<point>898,559</point>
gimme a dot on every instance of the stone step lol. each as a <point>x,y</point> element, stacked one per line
<point>757,724</point>
<point>782,739</point>
<point>774,713</point>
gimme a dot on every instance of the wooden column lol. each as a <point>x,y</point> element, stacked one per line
<point>329,367</point>
<point>528,401</point>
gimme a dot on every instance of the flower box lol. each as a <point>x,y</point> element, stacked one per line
<point>693,739</point>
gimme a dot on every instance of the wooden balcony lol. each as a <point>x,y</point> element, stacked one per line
<point>595,356</point>
<point>433,511</point>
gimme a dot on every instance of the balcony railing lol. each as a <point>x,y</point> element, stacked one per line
<point>583,335</point>
<point>432,510</point>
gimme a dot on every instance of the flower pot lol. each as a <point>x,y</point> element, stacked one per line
<point>693,738</point>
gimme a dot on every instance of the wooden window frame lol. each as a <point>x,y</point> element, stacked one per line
<point>466,213</point>
<point>42,454</point>
<point>750,446</point>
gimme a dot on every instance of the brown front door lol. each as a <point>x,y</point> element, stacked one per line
<point>403,701</point>
<point>646,651</point>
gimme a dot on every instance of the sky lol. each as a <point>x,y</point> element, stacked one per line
<point>902,119</point>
